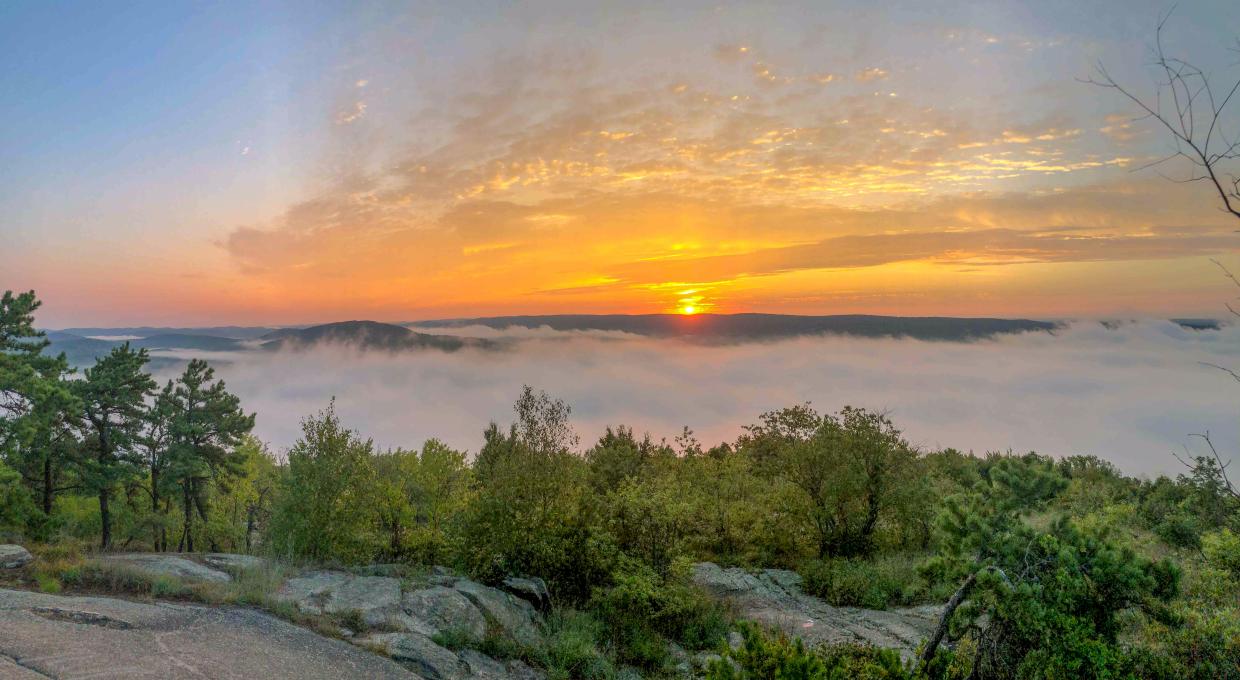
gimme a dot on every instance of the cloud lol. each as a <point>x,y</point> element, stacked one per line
<point>351,115</point>
<point>547,172</point>
<point>873,73</point>
<point>1085,389</point>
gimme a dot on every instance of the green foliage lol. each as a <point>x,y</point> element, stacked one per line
<point>421,498</point>
<point>766,657</point>
<point>1222,549</point>
<point>850,472</point>
<point>1051,598</point>
<point>875,583</point>
<point>16,507</point>
<point>572,647</point>
<point>643,609</point>
<point>325,508</point>
<point>207,424</point>
<point>112,395</point>
<point>242,507</point>
<point>531,514</point>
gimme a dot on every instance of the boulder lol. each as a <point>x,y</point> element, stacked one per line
<point>514,615</point>
<point>233,561</point>
<point>14,556</point>
<point>442,576</point>
<point>519,670</point>
<point>482,667</point>
<point>419,654</point>
<point>437,609</point>
<point>532,590</point>
<point>375,598</point>
<point>310,592</point>
<point>773,597</point>
<point>159,564</point>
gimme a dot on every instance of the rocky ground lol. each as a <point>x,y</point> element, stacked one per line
<point>51,636</point>
<point>774,597</point>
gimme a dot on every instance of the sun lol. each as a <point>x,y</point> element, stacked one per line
<point>688,310</point>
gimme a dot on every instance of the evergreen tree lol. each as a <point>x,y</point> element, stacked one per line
<point>113,395</point>
<point>154,446</point>
<point>37,408</point>
<point>206,425</point>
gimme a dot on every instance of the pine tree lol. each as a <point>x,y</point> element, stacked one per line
<point>37,408</point>
<point>207,424</point>
<point>113,395</point>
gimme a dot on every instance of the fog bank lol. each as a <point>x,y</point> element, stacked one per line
<point>1130,394</point>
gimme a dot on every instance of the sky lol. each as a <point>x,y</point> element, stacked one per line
<point>280,163</point>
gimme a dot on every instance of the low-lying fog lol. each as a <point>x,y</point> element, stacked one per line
<point>1131,394</point>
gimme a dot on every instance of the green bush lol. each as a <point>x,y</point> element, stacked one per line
<point>642,610</point>
<point>1199,645</point>
<point>775,657</point>
<point>47,582</point>
<point>572,647</point>
<point>876,583</point>
<point>1222,549</point>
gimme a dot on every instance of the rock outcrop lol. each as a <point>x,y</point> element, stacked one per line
<point>51,636</point>
<point>404,625</point>
<point>14,556</point>
<point>774,597</point>
<point>160,564</point>
<point>532,590</point>
<point>233,561</point>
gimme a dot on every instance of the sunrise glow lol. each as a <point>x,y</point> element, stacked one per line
<point>945,164</point>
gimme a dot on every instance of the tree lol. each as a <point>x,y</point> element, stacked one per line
<point>848,470</point>
<point>1049,599</point>
<point>1195,114</point>
<point>325,509</point>
<point>242,508</point>
<point>530,514</point>
<point>207,424</point>
<point>422,496</point>
<point>153,447</point>
<point>112,395</point>
<point>38,410</point>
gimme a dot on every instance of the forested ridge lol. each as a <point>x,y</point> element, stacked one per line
<point>1050,567</point>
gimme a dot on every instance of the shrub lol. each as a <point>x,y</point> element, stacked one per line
<point>871,583</point>
<point>47,582</point>
<point>167,586</point>
<point>641,609</point>
<point>767,657</point>
<point>1222,549</point>
<point>571,649</point>
<point>1198,645</point>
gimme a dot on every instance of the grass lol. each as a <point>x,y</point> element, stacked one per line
<point>875,583</point>
<point>66,567</point>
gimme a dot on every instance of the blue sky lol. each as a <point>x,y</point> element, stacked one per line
<point>283,162</point>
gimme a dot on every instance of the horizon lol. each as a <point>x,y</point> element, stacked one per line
<point>1219,319</point>
<point>282,165</point>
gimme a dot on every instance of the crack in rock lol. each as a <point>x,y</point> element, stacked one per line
<point>86,618</point>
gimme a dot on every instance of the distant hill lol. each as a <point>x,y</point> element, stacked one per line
<point>81,351</point>
<point>210,343</point>
<point>731,327</point>
<point>235,332</point>
<point>367,335</point>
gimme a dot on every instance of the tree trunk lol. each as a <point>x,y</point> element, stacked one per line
<point>189,519</point>
<point>940,631</point>
<point>49,484</point>
<point>155,510</point>
<point>105,518</point>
